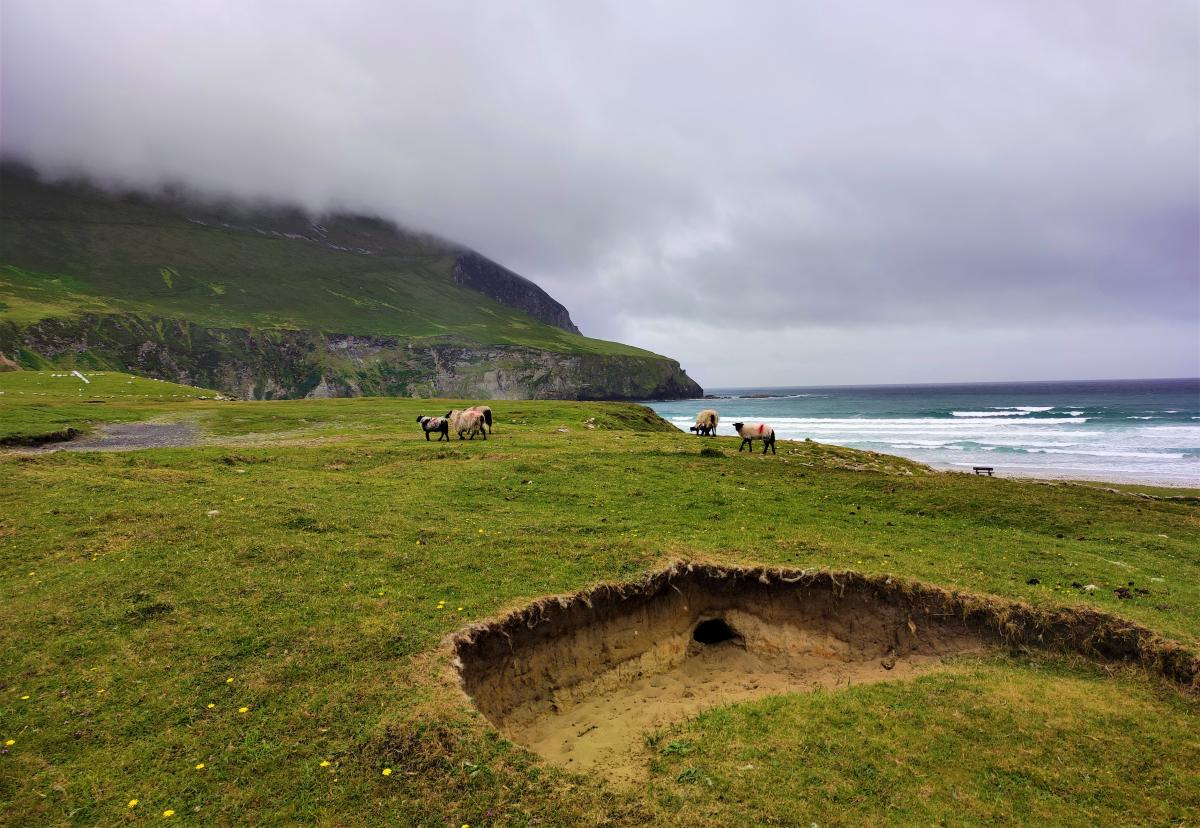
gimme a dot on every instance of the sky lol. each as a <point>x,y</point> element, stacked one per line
<point>773,193</point>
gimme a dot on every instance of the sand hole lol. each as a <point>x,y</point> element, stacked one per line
<point>714,631</point>
<point>580,679</point>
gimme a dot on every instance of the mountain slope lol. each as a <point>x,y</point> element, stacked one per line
<point>271,303</point>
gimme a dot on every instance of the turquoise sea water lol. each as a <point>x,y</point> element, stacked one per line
<point>1128,430</point>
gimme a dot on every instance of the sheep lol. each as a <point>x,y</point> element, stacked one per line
<point>756,431</point>
<point>470,420</point>
<point>487,415</point>
<point>706,423</point>
<point>439,424</point>
<point>484,410</point>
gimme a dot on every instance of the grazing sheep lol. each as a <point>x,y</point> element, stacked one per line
<point>439,424</point>
<point>756,431</point>
<point>469,421</point>
<point>706,423</point>
<point>487,415</point>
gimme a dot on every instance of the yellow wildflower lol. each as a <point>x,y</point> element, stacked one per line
<point>387,771</point>
<point>324,763</point>
<point>23,698</point>
<point>200,766</point>
<point>168,813</point>
<point>243,709</point>
<point>132,803</point>
<point>10,742</point>
<point>229,680</point>
<point>460,609</point>
<point>210,705</point>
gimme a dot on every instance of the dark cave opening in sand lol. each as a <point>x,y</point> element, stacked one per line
<point>578,679</point>
<point>714,631</point>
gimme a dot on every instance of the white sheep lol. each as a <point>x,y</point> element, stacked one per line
<point>470,421</point>
<point>487,415</point>
<point>756,431</point>
<point>706,423</point>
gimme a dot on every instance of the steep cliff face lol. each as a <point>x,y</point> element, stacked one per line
<point>485,276</point>
<point>288,364</point>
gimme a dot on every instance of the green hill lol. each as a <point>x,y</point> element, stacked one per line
<point>272,303</point>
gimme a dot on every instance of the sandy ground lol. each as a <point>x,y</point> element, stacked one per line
<point>605,733</point>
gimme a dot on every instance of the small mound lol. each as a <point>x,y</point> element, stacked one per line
<point>579,679</point>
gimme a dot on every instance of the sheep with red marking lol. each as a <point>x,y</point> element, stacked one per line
<point>487,415</point>
<point>750,432</point>
<point>469,421</point>
<point>435,424</point>
<point>706,423</point>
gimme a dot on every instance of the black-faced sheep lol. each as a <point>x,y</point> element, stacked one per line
<point>756,431</point>
<point>706,423</point>
<point>439,424</point>
<point>467,422</point>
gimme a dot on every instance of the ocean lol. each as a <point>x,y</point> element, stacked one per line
<point>1145,431</point>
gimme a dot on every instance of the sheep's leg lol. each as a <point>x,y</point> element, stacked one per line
<point>772,445</point>
<point>426,436</point>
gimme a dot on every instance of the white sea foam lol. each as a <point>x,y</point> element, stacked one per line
<point>1100,442</point>
<point>1153,455</point>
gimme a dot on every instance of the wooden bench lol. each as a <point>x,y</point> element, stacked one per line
<point>983,470</point>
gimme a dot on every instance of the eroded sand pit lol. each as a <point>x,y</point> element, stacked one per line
<point>579,679</point>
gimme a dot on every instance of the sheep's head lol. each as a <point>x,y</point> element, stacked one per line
<point>738,427</point>
<point>420,418</point>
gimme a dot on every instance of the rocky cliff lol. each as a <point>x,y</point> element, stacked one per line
<point>481,274</point>
<point>278,364</point>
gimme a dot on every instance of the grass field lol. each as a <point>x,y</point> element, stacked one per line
<point>38,403</point>
<point>265,605</point>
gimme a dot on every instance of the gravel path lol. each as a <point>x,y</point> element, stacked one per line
<point>132,436</point>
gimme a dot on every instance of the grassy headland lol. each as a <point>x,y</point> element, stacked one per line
<point>267,302</point>
<point>267,601</point>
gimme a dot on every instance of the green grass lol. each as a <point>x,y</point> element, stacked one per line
<point>979,741</point>
<point>67,252</point>
<point>338,528</point>
<point>36,403</point>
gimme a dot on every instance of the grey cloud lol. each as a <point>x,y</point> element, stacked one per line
<point>820,179</point>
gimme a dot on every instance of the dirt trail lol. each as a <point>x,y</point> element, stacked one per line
<point>133,436</point>
<point>580,679</point>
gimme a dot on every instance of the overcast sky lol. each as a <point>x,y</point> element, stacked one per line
<point>770,192</point>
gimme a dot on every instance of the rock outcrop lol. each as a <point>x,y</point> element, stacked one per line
<point>280,364</point>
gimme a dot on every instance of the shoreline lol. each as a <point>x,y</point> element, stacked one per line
<point>1064,476</point>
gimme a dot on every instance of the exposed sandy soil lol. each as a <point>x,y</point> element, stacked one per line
<point>604,731</point>
<point>579,680</point>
